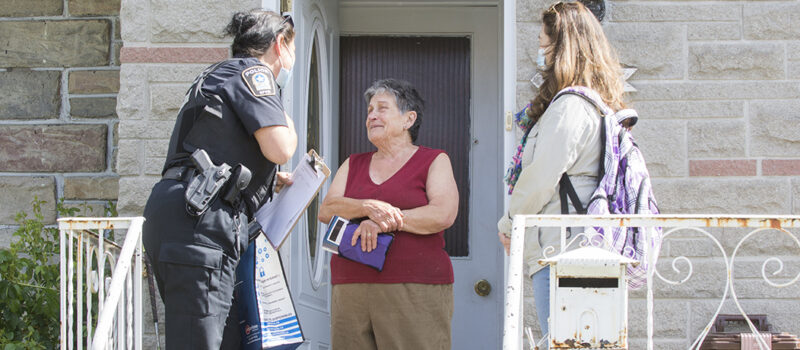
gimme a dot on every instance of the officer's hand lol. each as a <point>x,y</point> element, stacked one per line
<point>368,230</point>
<point>283,179</point>
<point>388,217</point>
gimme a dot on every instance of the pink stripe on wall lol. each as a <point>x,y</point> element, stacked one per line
<point>780,167</point>
<point>723,167</point>
<point>172,54</point>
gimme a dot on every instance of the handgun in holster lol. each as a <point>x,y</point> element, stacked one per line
<point>206,183</point>
<point>238,182</point>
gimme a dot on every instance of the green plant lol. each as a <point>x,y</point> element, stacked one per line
<point>29,281</point>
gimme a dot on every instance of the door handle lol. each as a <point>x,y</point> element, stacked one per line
<point>483,288</point>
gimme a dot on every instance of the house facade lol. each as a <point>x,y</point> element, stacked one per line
<point>717,88</point>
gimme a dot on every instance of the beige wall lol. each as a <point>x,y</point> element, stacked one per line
<point>719,100</point>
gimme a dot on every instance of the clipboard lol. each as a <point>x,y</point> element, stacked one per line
<point>279,216</point>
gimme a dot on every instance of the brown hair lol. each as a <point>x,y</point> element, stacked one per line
<point>579,55</point>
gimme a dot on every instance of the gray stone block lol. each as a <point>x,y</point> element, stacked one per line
<point>133,194</point>
<point>661,61</point>
<point>94,7</point>
<point>175,22</point>
<point>94,82</point>
<point>150,130</point>
<point>531,10</point>
<point>663,143</point>
<point>133,99</point>
<point>771,20</point>
<point>93,107</point>
<point>793,55</point>
<point>27,94</point>
<point>717,139</point>
<point>170,73</point>
<point>55,43</point>
<point>675,12</point>
<point>714,30</point>
<point>527,49</point>
<point>134,19</point>
<point>715,90</point>
<point>659,343</point>
<point>153,166</point>
<point>6,237</point>
<point>17,194</point>
<point>129,157</point>
<point>689,109</point>
<point>775,128</point>
<point>166,100</point>
<point>84,187</point>
<point>88,208</point>
<point>156,148</point>
<point>671,316</point>
<point>29,8</point>
<point>723,196</point>
<point>53,148</point>
<point>795,196</point>
<point>741,61</point>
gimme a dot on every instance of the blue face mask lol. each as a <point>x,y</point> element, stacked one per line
<point>284,75</point>
<point>540,61</point>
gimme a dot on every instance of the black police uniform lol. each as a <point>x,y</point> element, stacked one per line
<point>195,256</point>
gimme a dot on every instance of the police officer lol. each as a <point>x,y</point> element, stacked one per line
<point>232,114</point>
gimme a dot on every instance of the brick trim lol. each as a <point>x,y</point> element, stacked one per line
<point>722,167</point>
<point>172,54</point>
<point>780,167</point>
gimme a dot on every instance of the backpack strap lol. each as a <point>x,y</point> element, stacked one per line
<point>566,189</point>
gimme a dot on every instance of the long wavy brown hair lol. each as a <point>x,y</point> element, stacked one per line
<point>579,55</point>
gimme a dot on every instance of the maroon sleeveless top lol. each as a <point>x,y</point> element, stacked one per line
<point>411,258</point>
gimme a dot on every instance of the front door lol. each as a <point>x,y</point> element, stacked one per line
<point>312,101</point>
<point>451,54</point>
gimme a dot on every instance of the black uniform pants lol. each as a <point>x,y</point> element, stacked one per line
<point>194,258</point>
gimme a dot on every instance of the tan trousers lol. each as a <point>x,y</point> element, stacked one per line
<point>402,316</point>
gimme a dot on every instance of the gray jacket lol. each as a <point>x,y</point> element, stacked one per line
<point>565,139</point>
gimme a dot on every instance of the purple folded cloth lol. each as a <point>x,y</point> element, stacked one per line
<point>375,259</point>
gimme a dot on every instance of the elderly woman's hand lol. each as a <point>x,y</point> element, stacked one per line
<point>368,230</point>
<point>386,216</point>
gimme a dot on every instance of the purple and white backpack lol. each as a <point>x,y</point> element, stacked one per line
<point>624,188</point>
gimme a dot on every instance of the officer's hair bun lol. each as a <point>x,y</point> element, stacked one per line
<point>255,31</point>
<point>240,23</point>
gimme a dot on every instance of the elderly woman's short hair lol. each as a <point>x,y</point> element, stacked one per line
<point>406,96</point>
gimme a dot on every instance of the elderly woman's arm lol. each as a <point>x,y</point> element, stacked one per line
<point>442,208</point>
<point>388,217</point>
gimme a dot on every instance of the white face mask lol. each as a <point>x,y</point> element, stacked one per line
<point>285,74</point>
<point>540,59</point>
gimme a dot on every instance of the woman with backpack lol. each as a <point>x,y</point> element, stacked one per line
<point>562,134</point>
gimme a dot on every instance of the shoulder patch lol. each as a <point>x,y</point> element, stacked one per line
<point>259,81</point>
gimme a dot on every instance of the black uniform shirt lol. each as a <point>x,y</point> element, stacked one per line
<point>239,96</point>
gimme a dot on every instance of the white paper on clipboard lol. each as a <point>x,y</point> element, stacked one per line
<point>278,216</point>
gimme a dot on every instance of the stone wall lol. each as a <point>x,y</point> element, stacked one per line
<point>59,78</point>
<point>718,88</point>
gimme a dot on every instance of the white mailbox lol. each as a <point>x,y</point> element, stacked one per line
<point>588,299</point>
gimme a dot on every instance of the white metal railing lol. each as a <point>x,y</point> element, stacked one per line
<point>118,297</point>
<point>512,331</point>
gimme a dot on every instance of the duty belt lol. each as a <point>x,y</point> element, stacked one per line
<point>180,173</point>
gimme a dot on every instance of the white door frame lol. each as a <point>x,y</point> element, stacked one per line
<point>309,280</point>
<point>476,20</point>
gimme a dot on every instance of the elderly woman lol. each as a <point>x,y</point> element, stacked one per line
<point>406,189</point>
<point>562,135</point>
